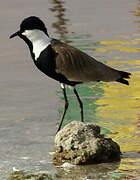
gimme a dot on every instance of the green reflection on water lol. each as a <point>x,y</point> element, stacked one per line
<point>88,96</point>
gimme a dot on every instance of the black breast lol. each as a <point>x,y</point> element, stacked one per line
<point>46,64</point>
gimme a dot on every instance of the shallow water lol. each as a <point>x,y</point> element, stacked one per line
<point>30,102</point>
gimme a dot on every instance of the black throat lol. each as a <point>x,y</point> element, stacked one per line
<point>29,43</point>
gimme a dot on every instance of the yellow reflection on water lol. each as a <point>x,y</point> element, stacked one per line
<point>123,46</point>
<point>129,164</point>
<point>119,108</point>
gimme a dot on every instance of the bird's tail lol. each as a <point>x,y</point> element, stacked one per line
<point>122,76</point>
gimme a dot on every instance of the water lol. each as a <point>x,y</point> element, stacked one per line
<point>30,102</point>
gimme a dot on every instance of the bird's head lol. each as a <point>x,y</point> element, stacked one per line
<point>30,24</point>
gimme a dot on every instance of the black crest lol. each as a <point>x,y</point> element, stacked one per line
<point>32,22</point>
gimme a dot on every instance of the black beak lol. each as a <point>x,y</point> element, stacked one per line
<point>15,34</point>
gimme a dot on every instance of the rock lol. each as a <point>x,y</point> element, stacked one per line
<point>82,143</point>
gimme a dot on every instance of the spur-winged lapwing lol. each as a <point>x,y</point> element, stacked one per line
<point>64,63</point>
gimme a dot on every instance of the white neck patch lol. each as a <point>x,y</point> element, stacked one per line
<point>39,40</point>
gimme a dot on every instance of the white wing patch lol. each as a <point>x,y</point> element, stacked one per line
<point>39,40</point>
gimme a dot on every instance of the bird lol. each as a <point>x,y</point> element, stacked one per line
<point>64,63</point>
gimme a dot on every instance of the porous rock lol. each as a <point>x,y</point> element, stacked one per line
<point>82,143</point>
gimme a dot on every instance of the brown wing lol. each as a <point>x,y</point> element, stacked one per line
<point>76,65</point>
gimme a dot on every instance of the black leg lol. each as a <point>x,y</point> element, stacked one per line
<point>65,107</point>
<point>80,104</point>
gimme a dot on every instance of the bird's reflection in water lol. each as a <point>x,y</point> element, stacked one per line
<point>61,23</point>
